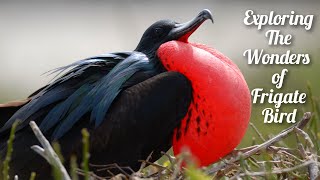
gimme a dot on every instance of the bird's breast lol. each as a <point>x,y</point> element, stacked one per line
<point>220,110</point>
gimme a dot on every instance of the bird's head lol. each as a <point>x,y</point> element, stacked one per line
<point>167,30</point>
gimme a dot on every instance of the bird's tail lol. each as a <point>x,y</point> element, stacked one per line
<point>8,109</point>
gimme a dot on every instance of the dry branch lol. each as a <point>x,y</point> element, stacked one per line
<point>47,151</point>
<point>313,166</point>
<point>306,117</point>
<point>308,158</point>
<point>277,171</point>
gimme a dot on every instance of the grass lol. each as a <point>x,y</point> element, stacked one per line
<point>5,165</point>
<point>86,154</point>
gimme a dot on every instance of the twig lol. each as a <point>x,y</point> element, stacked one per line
<point>291,155</point>
<point>306,117</point>
<point>313,167</point>
<point>177,167</point>
<point>157,165</point>
<point>170,158</point>
<point>47,151</point>
<point>144,163</point>
<point>118,177</point>
<point>277,171</point>
<point>91,174</point>
<point>237,151</point>
<point>257,131</point>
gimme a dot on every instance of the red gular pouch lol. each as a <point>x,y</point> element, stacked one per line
<point>219,113</point>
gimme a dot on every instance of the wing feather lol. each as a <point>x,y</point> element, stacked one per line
<point>86,86</point>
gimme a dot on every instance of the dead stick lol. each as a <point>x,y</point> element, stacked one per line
<point>47,151</point>
<point>257,131</point>
<point>277,171</point>
<point>305,119</point>
<point>313,167</point>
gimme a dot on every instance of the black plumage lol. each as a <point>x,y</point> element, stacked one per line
<point>127,101</point>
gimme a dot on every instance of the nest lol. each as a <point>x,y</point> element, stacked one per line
<point>268,160</point>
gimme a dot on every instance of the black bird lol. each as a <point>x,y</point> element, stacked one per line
<point>128,102</point>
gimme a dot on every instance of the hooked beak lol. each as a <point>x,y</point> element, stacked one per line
<point>182,32</point>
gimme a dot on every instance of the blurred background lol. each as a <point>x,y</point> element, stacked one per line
<point>37,36</point>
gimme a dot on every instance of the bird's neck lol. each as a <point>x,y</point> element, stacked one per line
<point>210,107</point>
<point>153,58</point>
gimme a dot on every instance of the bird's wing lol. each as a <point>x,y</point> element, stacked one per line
<point>141,120</point>
<point>87,86</point>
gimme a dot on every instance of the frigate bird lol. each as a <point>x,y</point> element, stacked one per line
<point>167,91</point>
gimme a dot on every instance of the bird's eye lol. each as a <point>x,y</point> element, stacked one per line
<point>158,31</point>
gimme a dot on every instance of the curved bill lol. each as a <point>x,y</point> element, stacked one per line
<point>182,31</point>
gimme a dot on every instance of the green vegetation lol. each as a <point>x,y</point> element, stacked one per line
<point>5,165</point>
<point>272,159</point>
<point>86,154</point>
